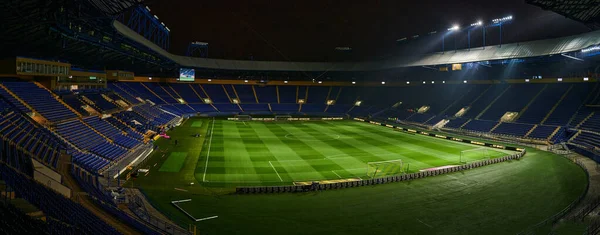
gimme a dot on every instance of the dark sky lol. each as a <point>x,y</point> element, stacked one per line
<point>309,30</point>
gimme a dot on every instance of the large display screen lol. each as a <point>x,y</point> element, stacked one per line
<point>187,75</point>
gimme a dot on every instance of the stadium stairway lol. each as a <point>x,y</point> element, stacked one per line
<point>557,104</point>
<point>578,125</point>
<point>21,104</point>
<point>255,96</point>
<point>154,93</point>
<point>58,99</point>
<point>531,130</point>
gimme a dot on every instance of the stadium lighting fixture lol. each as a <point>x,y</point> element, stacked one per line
<point>455,27</point>
<point>590,49</point>
<point>163,24</point>
<point>285,82</point>
<point>320,82</point>
<point>210,80</point>
<point>155,16</point>
<point>353,82</point>
<point>465,81</point>
<point>503,19</point>
<point>382,83</point>
<point>432,82</point>
<point>444,82</point>
<point>572,57</point>
<point>70,76</point>
<point>526,80</point>
<point>167,28</point>
<point>407,82</point>
<point>424,82</point>
<point>245,80</point>
<point>478,23</point>
<point>147,8</point>
<point>559,79</point>
<point>432,32</point>
<point>586,79</point>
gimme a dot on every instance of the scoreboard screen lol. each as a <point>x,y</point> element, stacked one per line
<point>187,75</point>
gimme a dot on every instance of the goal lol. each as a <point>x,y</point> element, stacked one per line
<point>244,117</point>
<point>283,118</point>
<point>385,168</point>
<point>473,155</point>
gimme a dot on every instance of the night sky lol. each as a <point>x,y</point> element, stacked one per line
<point>310,30</point>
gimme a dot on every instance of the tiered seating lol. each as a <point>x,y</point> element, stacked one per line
<point>164,94</point>
<point>245,94</point>
<point>55,205</point>
<point>592,124</point>
<point>285,108</point>
<point>542,132</point>
<point>112,132</point>
<point>587,139</point>
<point>543,104</point>
<point>313,108</point>
<point>256,108</point>
<point>137,121</point>
<point>565,110</point>
<point>266,94</point>
<point>480,125</point>
<point>339,108</point>
<point>85,138</point>
<point>203,108</point>
<point>187,93</point>
<point>16,222</point>
<point>216,93</point>
<point>100,103</point>
<point>513,100</point>
<point>419,117</point>
<point>487,98</point>
<point>317,95</point>
<point>153,114</point>
<point>89,161</point>
<point>456,123</point>
<point>516,129</point>
<point>38,142</point>
<point>75,103</point>
<point>119,90</point>
<point>228,108</point>
<point>137,89</point>
<point>287,94</point>
<point>41,100</point>
<point>14,101</point>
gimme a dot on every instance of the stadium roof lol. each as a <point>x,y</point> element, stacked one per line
<point>507,51</point>
<point>584,11</point>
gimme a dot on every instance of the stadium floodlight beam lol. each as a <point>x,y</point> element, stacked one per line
<point>478,23</point>
<point>590,49</point>
<point>455,27</point>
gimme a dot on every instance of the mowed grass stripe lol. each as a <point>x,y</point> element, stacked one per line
<point>260,155</point>
<point>384,151</point>
<point>430,152</point>
<point>319,142</point>
<point>453,148</point>
<point>238,164</point>
<point>216,163</point>
<point>284,152</point>
<point>352,157</point>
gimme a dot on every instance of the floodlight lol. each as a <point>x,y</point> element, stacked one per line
<point>245,80</point>
<point>353,82</point>
<point>444,82</point>
<point>155,16</point>
<point>149,78</point>
<point>382,83</point>
<point>147,8</point>
<point>586,79</point>
<point>423,82</point>
<point>455,27</point>
<point>590,49</point>
<point>526,80</point>
<point>432,82</point>
<point>285,82</point>
<point>320,82</point>
<point>465,81</point>
<point>559,79</point>
<point>210,80</point>
<point>407,82</point>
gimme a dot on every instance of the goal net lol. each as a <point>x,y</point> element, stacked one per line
<point>385,168</point>
<point>470,155</point>
<point>244,117</point>
<point>282,118</point>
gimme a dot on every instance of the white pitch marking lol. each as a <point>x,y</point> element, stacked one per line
<point>452,177</point>
<point>208,153</point>
<point>336,174</point>
<point>207,218</point>
<point>275,171</point>
<point>425,223</point>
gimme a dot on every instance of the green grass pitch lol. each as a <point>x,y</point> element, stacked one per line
<point>503,198</point>
<point>174,162</point>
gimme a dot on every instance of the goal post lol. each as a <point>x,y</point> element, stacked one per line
<point>385,168</point>
<point>470,155</point>
<point>283,117</point>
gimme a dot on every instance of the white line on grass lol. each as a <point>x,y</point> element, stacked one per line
<point>425,223</point>
<point>208,153</point>
<point>275,171</point>
<point>336,174</point>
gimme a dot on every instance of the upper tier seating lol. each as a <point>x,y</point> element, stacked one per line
<point>542,132</point>
<point>480,125</point>
<point>592,124</point>
<point>41,100</point>
<point>85,138</point>
<point>99,102</point>
<point>567,107</point>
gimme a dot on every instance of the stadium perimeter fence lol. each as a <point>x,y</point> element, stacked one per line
<point>374,181</point>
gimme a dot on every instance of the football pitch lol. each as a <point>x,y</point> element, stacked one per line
<point>274,153</point>
<point>503,198</point>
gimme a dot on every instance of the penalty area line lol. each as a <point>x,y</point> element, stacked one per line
<point>275,171</point>
<point>208,152</point>
<point>424,223</point>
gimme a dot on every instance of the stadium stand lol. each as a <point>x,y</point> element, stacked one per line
<point>41,100</point>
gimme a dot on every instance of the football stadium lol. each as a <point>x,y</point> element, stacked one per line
<point>324,117</point>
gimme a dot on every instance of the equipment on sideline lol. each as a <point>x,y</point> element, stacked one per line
<point>385,168</point>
